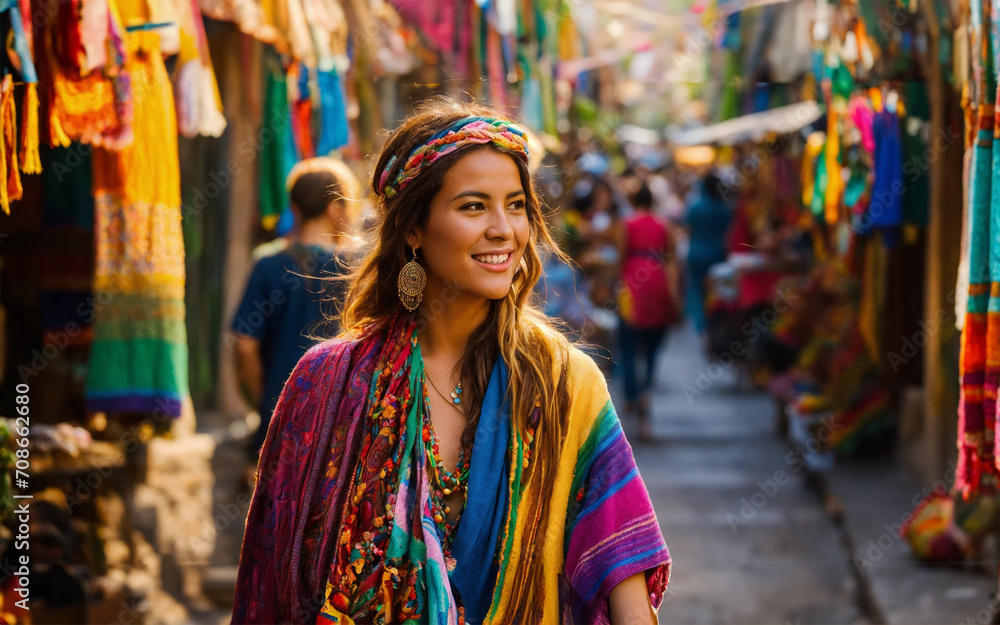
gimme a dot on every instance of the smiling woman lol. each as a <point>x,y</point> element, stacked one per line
<point>451,457</point>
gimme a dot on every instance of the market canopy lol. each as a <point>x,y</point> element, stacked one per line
<point>781,120</point>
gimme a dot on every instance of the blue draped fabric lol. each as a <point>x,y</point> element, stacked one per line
<point>482,521</point>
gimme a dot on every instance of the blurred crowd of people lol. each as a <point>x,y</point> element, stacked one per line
<point>643,241</point>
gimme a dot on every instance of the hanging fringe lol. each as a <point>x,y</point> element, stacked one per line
<point>10,177</point>
<point>31,163</point>
<point>57,136</point>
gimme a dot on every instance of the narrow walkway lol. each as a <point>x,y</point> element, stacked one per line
<point>750,541</point>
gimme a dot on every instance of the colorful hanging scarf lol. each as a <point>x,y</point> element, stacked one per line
<point>340,529</point>
<point>276,159</point>
<point>469,130</point>
<point>979,363</point>
<point>139,358</point>
<point>10,176</point>
<point>334,129</point>
<point>199,104</point>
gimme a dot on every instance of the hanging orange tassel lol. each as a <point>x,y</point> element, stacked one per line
<point>10,177</point>
<point>31,163</point>
<point>57,136</point>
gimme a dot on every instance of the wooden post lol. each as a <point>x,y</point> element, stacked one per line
<point>944,233</point>
<point>238,77</point>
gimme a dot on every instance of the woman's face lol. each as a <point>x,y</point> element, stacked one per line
<point>477,229</point>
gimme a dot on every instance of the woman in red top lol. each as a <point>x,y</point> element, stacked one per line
<point>647,301</point>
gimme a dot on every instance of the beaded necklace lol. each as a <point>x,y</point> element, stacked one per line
<point>442,481</point>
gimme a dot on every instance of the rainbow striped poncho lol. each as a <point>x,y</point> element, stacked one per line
<point>338,530</point>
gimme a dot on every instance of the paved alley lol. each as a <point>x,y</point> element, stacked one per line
<point>750,541</point>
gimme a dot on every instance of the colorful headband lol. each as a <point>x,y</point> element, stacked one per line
<point>463,132</point>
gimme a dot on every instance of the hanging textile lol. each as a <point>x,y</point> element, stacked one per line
<point>962,279</point>
<point>495,69</point>
<point>886,209</point>
<point>139,358</point>
<point>199,104</point>
<point>94,21</point>
<point>10,175</point>
<point>976,411</point>
<point>274,137</point>
<point>246,14</point>
<point>813,148</point>
<point>334,130</point>
<point>90,106</point>
<point>834,188</point>
<point>302,111</point>
<point>19,52</point>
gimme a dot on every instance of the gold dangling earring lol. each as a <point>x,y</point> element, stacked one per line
<point>411,283</point>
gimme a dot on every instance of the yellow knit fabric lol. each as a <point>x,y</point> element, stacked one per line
<point>137,189</point>
<point>589,394</point>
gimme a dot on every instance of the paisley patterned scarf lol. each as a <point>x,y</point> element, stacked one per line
<point>391,564</point>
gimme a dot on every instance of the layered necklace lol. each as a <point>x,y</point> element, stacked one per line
<point>443,482</point>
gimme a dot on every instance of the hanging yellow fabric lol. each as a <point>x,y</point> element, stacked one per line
<point>83,109</point>
<point>872,303</point>
<point>139,243</point>
<point>30,161</point>
<point>814,145</point>
<point>835,182</point>
<point>10,185</point>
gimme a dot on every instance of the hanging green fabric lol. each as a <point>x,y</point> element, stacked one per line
<point>857,190</point>
<point>843,83</point>
<point>917,103</point>
<point>273,135</point>
<point>819,191</point>
<point>729,101</point>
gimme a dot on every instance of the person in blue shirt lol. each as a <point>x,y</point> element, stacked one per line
<point>708,219</point>
<point>290,293</point>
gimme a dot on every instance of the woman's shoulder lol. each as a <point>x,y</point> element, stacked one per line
<point>324,356</point>
<point>567,356</point>
<point>583,375</point>
<point>588,395</point>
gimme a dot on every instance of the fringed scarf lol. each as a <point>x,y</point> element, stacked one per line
<point>980,352</point>
<point>340,527</point>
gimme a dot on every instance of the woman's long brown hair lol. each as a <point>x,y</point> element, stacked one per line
<point>515,329</point>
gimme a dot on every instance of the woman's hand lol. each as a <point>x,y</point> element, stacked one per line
<point>629,603</point>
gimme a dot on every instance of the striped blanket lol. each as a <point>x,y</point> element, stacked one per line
<point>980,353</point>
